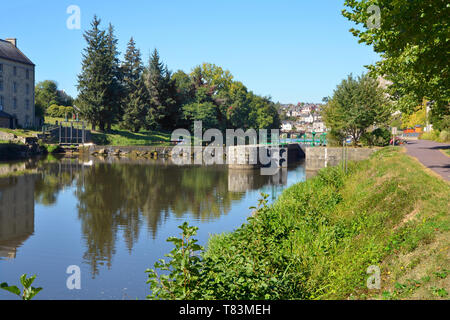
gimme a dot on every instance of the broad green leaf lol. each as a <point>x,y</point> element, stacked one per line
<point>12,289</point>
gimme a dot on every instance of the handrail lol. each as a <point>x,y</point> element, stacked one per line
<point>49,127</point>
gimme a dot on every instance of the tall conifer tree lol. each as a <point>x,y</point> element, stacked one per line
<point>98,82</point>
<point>154,80</point>
<point>136,99</point>
<point>114,91</point>
<point>92,85</point>
<point>163,111</point>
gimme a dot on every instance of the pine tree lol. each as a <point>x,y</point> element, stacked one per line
<point>91,82</point>
<point>115,90</point>
<point>136,99</point>
<point>173,109</point>
<point>154,80</point>
<point>136,107</point>
<point>131,68</point>
<point>98,84</point>
<point>164,110</point>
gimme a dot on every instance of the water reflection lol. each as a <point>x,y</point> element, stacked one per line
<point>243,180</point>
<point>121,199</point>
<point>125,197</point>
<point>16,213</point>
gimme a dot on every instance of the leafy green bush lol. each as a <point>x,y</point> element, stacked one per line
<point>436,135</point>
<point>431,135</point>
<point>334,138</point>
<point>28,291</point>
<point>444,136</point>
<point>59,111</point>
<point>379,137</point>
<point>259,260</point>
<point>184,268</point>
<point>50,148</point>
<point>442,124</point>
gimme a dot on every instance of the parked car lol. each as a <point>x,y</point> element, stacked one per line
<point>398,141</point>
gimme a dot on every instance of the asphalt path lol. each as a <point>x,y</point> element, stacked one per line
<point>430,155</point>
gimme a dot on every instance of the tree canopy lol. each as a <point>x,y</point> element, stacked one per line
<point>47,94</point>
<point>357,104</point>
<point>412,38</point>
<point>154,98</point>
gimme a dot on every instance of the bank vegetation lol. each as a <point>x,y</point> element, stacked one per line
<point>319,238</point>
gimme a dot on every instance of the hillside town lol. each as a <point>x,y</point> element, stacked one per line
<point>301,118</point>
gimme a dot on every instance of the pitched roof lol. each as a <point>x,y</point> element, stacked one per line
<point>10,52</point>
<point>3,114</point>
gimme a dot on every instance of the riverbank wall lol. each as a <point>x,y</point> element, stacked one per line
<point>337,153</point>
<point>92,149</point>
<point>316,157</point>
<point>16,151</point>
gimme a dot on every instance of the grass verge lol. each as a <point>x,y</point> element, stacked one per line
<point>435,135</point>
<point>319,238</point>
<point>118,137</point>
<point>20,132</point>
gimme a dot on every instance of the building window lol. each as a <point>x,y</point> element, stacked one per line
<point>27,104</point>
<point>27,74</point>
<point>1,67</point>
<point>15,87</point>
<point>15,102</point>
<point>27,88</point>
<point>1,101</point>
<point>1,85</point>
<point>15,71</point>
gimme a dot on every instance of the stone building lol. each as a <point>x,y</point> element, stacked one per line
<point>16,86</point>
<point>16,211</point>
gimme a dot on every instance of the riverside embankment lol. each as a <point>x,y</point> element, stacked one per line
<point>319,238</point>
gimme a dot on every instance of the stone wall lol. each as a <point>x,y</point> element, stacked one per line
<point>248,156</point>
<point>7,136</point>
<point>334,155</point>
<point>128,149</point>
<point>13,138</point>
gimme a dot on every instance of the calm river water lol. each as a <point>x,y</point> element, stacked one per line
<point>112,218</point>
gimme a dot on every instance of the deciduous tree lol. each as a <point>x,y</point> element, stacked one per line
<point>357,104</point>
<point>412,38</point>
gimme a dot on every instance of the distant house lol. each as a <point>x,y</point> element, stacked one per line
<point>309,118</point>
<point>16,86</point>
<point>286,126</point>
<point>319,127</point>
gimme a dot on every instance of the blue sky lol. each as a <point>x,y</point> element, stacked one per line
<point>290,50</point>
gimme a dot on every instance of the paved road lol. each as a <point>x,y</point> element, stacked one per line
<point>428,152</point>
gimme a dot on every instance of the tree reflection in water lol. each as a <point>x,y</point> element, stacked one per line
<point>118,197</point>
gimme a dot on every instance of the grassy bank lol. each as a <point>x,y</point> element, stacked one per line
<point>435,135</point>
<point>319,238</point>
<point>20,132</point>
<point>118,137</point>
